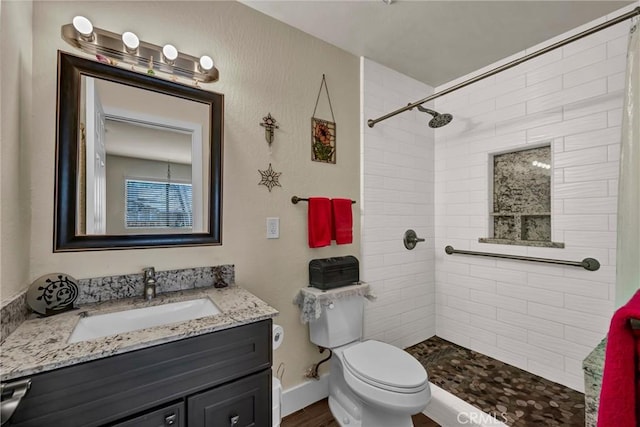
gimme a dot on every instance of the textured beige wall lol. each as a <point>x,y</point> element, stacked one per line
<point>265,66</point>
<point>15,107</point>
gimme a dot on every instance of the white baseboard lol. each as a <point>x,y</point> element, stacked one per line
<point>444,408</point>
<point>450,411</point>
<point>305,394</point>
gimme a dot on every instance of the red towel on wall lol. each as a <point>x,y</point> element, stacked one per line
<point>619,396</point>
<point>319,222</point>
<point>342,221</point>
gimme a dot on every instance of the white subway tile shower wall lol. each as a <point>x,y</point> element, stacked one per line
<point>397,194</point>
<point>541,318</point>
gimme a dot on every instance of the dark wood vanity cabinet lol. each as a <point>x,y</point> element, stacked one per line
<point>169,416</point>
<point>217,379</point>
<point>242,403</point>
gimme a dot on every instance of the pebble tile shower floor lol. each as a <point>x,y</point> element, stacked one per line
<point>516,397</point>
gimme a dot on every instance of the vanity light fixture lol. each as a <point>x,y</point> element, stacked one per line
<point>131,42</point>
<point>128,48</point>
<point>169,54</point>
<point>205,64</point>
<point>83,26</point>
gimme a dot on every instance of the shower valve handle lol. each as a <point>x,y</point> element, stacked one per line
<point>411,239</point>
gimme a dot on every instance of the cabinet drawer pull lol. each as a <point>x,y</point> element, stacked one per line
<point>235,419</point>
<point>17,390</point>
<point>170,420</point>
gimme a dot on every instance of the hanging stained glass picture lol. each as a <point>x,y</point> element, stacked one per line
<point>323,141</point>
<point>323,132</point>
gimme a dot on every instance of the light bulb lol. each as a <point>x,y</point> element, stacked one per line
<point>131,41</point>
<point>170,53</point>
<point>83,26</point>
<point>206,63</point>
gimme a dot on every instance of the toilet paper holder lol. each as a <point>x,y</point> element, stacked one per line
<point>277,336</point>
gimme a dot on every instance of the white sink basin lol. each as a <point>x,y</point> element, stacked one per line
<point>103,325</point>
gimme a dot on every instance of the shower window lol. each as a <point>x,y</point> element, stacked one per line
<point>521,198</point>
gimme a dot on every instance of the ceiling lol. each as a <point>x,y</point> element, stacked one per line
<point>435,41</point>
<point>130,139</point>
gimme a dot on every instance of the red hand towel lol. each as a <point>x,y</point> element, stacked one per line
<point>319,222</point>
<point>342,221</point>
<point>619,396</point>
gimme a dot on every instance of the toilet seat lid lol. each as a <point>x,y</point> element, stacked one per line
<point>385,366</point>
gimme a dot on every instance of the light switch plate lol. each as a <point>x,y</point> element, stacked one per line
<point>273,228</point>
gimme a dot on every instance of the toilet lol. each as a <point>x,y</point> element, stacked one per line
<point>371,383</point>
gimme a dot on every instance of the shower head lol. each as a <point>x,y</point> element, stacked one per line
<point>438,120</point>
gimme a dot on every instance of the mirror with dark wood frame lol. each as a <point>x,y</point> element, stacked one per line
<point>138,160</point>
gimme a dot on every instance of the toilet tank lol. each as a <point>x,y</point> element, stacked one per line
<point>340,322</point>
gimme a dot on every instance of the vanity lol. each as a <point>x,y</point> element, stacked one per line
<point>209,371</point>
<point>164,190</point>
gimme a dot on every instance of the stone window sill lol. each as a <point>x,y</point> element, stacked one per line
<point>535,243</point>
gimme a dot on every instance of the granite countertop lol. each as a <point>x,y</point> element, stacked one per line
<point>40,344</point>
<point>594,362</point>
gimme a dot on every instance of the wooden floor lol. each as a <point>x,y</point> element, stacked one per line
<point>319,415</point>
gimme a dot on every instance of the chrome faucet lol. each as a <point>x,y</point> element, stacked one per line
<point>149,283</point>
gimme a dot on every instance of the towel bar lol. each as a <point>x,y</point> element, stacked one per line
<point>296,199</point>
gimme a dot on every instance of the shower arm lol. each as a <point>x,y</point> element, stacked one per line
<point>371,122</point>
<point>425,110</point>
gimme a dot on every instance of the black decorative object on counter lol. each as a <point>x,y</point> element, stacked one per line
<point>52,293</point>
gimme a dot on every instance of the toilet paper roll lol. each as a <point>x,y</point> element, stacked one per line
<point>278,336</point>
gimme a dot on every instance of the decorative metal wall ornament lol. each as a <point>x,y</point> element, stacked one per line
<point>269,124</point>
<point>52,293</point>
<point>270,178</point>
<point>323,132</point>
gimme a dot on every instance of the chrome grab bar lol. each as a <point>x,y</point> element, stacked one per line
<point>17,389</point>
<point>590,264</point>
